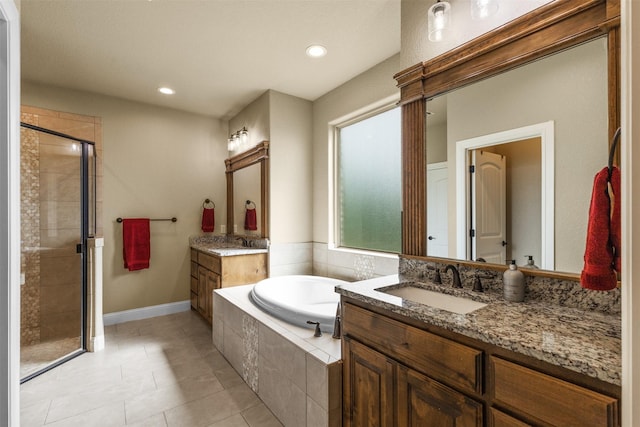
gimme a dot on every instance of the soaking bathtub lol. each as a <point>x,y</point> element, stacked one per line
<point>298,299</point>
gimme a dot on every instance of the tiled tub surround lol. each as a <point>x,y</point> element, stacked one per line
<point>558,322</point>
<point>298,376</point>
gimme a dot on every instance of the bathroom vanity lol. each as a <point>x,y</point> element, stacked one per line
<point>552,360</point>
<point>215,266</point>
<point>505,364</point>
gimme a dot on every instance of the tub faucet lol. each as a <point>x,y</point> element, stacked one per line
<point>455,275</point>
<point>317,332</point>
<point>337,330</point>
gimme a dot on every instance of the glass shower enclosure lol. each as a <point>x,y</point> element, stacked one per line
<point>57,216</point>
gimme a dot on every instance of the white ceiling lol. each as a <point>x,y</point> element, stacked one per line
<point>219,55</point>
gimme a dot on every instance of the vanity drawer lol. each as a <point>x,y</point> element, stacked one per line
<point>550,399</point>
<point>209,262</point>
<point>500,419</point>
<point>194,255</point>
<point>440,358</point>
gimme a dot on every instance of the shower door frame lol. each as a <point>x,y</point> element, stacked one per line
<point>82,247</point>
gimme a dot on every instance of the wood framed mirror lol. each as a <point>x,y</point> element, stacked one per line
<point>552,28</point>
<point>259,156</point>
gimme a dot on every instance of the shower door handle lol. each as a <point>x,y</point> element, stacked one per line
<point>79,248</point>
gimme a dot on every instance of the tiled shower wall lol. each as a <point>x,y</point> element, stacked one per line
<point>50,205</point>
<point>30,234</point>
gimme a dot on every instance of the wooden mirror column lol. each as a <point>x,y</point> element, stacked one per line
<point>258,154</point>
<point>551,28</point>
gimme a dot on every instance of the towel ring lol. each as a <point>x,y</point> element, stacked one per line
<point>208,204</point>
<point>612,152</point>
<point>249,203</point>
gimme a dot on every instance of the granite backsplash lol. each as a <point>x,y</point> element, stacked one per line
<point>554,291</point>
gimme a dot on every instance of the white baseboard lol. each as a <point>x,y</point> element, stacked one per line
<point>145,312</point>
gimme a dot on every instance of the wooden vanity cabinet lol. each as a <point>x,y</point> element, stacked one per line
<point>381,380</point>
<point>399,374</point>
<point>210,272</point>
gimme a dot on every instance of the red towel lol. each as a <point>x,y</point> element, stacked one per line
<point>136,243</point>
<point>250,219</point>
<point>602,230</point>
<point>208,220</point>
<point>616,220</point>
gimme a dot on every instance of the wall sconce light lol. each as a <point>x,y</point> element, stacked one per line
<point>482,9</point>
<point>238,139</point>
<point>438,20</point>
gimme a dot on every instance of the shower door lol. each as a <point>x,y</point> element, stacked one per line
<point>57,216</point>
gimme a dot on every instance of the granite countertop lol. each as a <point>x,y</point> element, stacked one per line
<point>226,249</point>
<point>583,341</point>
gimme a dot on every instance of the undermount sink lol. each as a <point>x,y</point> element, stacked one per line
<point>437,300</point>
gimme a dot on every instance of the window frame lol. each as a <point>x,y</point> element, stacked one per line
<point>335,128</point>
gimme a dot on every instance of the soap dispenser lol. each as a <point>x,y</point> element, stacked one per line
<point>513,283</point>
<point>530,262</point>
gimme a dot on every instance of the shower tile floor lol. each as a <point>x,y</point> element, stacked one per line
<point>38,356</point>
<point>162,371</point>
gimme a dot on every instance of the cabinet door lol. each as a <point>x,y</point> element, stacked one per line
<point>202,291</point>
<point>425,402</point>
<point>213,282</point>
<point>368,379</point>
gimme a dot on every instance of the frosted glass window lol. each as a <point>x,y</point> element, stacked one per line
<point>369,190</point>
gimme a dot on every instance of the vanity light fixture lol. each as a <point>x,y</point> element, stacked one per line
<point>166,90</point>
<point>316,51</point>
<point>482,9</point>
<point>438,19</point>
<point>238,139</point>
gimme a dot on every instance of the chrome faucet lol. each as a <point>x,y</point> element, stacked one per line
<point>455,275</point>
<point>243,241</point>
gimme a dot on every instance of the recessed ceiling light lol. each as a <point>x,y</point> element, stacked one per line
<point>316,51</point>
<point>166,90</point>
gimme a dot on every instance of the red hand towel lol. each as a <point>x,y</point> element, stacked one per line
<point>136,243</point>
<point>598,273</point>
<point>208,220</point>
<point>616,220</point>
<point>250,219</point>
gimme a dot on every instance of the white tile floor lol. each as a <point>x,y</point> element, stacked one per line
<point>162,371</point>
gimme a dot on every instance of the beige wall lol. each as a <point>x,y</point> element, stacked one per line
<point>416,46</point>
<point>284,121</point>
<point>291,169</point>
<point>255,117</point>
<point>366,89</point>
<point>158,163</point>
<point>569,88</point>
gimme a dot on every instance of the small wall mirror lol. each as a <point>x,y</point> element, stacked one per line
<point>248,180</point>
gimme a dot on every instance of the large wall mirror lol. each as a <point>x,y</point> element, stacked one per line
<point>519,120</point>
<point>248,180</point>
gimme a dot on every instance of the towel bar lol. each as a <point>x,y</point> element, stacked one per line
<point>174,219</point>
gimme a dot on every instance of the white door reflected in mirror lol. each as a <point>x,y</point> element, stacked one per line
<point>437,221</point>
<point>488,209</point>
